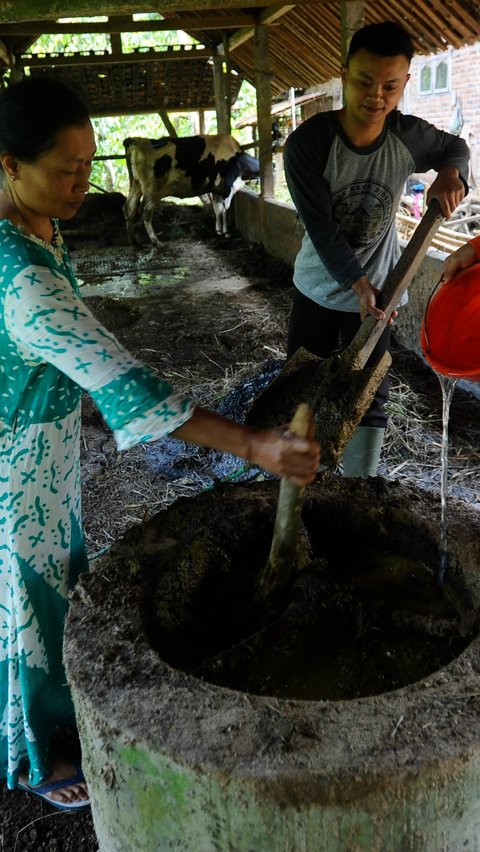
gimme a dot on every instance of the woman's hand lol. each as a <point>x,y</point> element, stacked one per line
<point>285,454</point>
<point>460,259</point>
<point>276,450</point>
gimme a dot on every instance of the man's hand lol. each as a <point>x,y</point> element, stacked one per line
<point>367,298</point>
<point>448,188</point>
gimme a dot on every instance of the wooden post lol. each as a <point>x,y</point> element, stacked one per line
<point>352,18</point>
<point>263,74</point>
<point>168,124</point>
<point>194,122</point>
<point>278,172</point>
<point>227,78</point>
<point>221,94</point>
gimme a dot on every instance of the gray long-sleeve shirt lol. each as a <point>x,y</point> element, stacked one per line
<point>347,198</point>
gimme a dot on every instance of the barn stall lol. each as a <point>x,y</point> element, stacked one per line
<point>211,316</point>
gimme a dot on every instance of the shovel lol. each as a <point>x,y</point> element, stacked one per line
<point>339,389</point>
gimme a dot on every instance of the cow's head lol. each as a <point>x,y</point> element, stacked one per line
<point>248,167</point>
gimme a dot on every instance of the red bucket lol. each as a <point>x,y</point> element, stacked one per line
<point>450,334</point>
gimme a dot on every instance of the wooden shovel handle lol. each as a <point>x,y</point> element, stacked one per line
<point>302,422</point>
<point>281,564</point>
<point>396,284</point>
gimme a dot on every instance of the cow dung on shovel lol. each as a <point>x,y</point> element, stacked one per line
<point>340,389</point>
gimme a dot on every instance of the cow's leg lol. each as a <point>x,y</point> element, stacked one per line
<point>130,209</point>
<point>225,229</point>
<point>221,223</point>
<point>147,212</point>
<point>222,205</point>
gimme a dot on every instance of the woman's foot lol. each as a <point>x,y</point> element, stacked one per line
<point>64,788</point>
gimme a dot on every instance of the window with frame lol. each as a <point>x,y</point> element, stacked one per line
<point>434,75</point>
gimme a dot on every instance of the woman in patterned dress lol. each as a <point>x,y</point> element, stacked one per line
<point>52,348</point>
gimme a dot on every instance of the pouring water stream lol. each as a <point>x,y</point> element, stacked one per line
<point>448,386</point>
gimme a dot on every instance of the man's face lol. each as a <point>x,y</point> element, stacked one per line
<point>373,86</point>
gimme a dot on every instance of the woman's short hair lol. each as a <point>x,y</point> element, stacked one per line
<point>31,114</point>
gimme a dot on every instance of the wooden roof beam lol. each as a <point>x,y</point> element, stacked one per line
<point>13,11</point>
<point>64,60</point>
<point>127,25</point>
<point>267,16</point>
<point>456,15</point>
<point>6,55</point>
<point>143,110</point>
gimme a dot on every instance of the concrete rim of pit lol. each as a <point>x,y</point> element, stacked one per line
<point>334,750</point>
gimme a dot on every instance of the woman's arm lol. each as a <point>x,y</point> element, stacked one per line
<point>49,323</point>
<point>276,450</point>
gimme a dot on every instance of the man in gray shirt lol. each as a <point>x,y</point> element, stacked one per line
<point>346,170</point>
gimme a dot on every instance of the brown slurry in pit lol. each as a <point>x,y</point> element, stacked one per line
<point>364,615</point>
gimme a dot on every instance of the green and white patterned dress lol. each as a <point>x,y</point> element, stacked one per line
<point>51,347</point>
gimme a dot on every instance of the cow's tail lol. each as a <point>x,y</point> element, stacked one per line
<point>127,143</point>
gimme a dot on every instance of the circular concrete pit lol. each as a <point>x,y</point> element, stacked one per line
<point>342,716</point>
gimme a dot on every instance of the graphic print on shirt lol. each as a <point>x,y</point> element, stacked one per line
<point>363,210</point>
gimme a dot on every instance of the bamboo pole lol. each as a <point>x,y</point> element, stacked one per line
<point>281,561</point>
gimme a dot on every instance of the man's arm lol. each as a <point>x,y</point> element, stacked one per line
<point>447,154</point>
<point>449,188</point>
<point>305,157</point>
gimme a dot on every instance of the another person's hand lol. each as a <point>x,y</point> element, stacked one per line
<point>460,259</point>
<point>367,298</point>
<point>448,188</point>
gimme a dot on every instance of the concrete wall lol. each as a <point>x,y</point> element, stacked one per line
<point>272,223</point>
<point>276,226</point>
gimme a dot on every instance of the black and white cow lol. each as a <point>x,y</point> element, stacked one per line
<point>184,167</point>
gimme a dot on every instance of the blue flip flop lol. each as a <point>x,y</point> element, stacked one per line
<point>43,789</point>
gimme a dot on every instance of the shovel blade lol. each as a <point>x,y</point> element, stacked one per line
<point>338,395</point>
<point>276,404</point>
<point>340,389</point>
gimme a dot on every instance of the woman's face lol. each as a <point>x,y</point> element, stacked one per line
<point>56,183</point>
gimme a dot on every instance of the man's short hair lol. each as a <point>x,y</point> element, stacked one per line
<point>385,39</point>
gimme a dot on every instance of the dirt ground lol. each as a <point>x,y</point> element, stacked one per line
<point>210,316</point>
